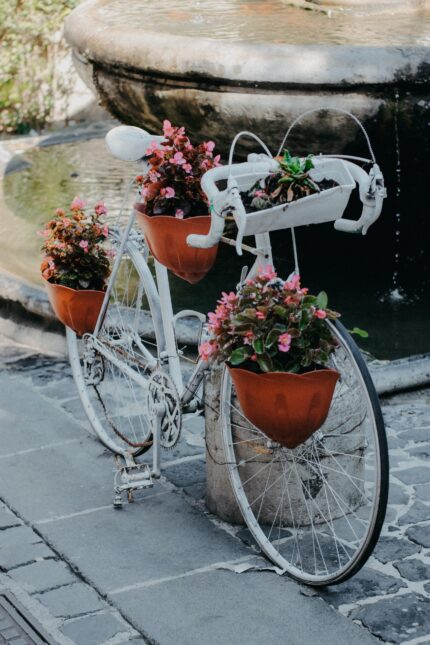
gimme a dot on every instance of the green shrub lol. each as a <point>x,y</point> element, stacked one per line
<point>30,52</point>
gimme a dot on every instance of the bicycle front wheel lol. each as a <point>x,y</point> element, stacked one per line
<point>316,510</point>
<point>111,370</point>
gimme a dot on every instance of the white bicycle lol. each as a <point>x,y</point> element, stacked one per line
<point>316,511</point>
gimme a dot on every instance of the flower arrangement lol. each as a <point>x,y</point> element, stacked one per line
<point>290,183</point>
<point>172,184</point>
<point>271,325</point>
<point>73,253</point>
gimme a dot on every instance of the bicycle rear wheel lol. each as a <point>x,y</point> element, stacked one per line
<point>111,371</point>
<point>317,510</point>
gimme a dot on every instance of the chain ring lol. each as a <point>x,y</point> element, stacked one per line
<point>161,389</point>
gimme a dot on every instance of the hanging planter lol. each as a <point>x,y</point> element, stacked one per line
<point>288,408</point>
<point>274,337</point>
<point>77,309</point>
<point>174,205</point>
<point>76,267</point>
<point>166,238</point>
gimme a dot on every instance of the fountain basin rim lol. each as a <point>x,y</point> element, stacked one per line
<point>135,51</point>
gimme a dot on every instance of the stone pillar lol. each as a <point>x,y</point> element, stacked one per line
<point>348,412</point>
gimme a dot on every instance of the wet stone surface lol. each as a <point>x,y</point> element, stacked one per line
<point>390,596</point>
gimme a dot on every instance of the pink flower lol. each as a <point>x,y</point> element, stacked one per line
<point>292,300</point>
<point>153,176</point>
<point>84,245</point>
<point>321,314</point>
<point>259,193</point>
<point>260,315</point>
<point>60,212</point>
<point>209,146</point>
<point>216,160</point>
<point>179,213</point>
<point>228,298</point>
<point>284,342</point>
<point>51,264</point>
<point>100,208</point>
<point>167,192</point>
<point>267,273</point>
<point>66,221</point>
<point>249,337</point>
<point>207,349</point>
<point>294,283</point>
<point>254,357</point>
<point>177,159</point>
<point>111,253</point>
<point>188,168</point>
<point>78,204</point>
<point>168,129</point>
<point>105,231</point>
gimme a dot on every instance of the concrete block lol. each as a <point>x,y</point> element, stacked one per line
<point>43,575</point>
<point>73,600</point>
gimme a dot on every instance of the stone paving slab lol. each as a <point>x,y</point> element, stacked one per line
<point>242,609</point>
<point>159,537</point>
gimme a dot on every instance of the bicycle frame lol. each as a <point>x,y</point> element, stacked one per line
<point>161,295</point>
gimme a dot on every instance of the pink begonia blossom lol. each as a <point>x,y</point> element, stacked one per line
<point>321,314</point>
<point>227,298</point>
<point>60,212</point>
<point>100,208</point>
<point>294,283</point>
<point>167,192</point>
<point>260,315</point>
<point>249,337</point>
<point>105,231</point>
<point>168,129</point>
<point>267,273</point>
<point>153,176</point>
<point>179,213</point>
<point>217,160</point>
<point>78,204</point>
<point>207,349</point>
<point>292,300</point>
<point>177,159</point>
<point>84,245</point>
<point>209,146</point>
<point>254,357</point>
<point>67,221</point>
<point>284,342</point>
<point>188,168</point>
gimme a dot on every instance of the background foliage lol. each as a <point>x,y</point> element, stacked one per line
<point>31,50</point>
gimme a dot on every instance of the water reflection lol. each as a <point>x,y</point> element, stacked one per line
<point>272,21</point>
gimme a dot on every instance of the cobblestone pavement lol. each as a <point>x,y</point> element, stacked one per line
<point>88,578</point>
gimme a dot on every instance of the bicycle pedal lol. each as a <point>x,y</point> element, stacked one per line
<point>129,478</point>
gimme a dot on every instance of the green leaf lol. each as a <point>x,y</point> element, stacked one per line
<point>264,363</point>
<point>240,355</point>
<point>359,332</point>
<point>322,300</point>
<point>272,337</point>
<point>258,346</point>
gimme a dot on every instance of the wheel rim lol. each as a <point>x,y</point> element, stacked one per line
<point>131,336</point>
<point>315,511</point>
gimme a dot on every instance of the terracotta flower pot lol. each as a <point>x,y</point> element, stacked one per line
<point>167,241</point>
<point>287,407</point>
<point>77,309</point>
